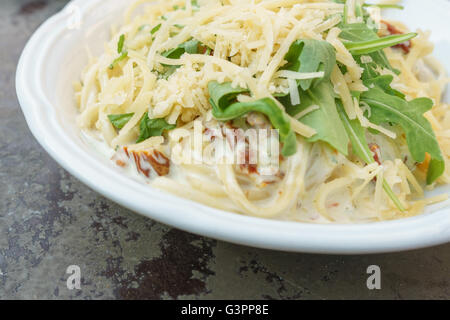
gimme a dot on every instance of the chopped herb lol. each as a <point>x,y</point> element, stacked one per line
<point>120,120</point>
<point>120,44</point>
<point>120,58</point>
<point>156,29</point>
<point>121,50</point>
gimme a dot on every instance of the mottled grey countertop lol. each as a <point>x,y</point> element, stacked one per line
<point>49,220</point>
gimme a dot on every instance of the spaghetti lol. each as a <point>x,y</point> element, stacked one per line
<point>314,70</point>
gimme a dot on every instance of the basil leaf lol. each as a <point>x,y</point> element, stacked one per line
<point>120,120</point>
<point>225,108</point>
<point>388,108</point>
<point>152,128</point>
<point>325,120</point>
<point>311,56</point>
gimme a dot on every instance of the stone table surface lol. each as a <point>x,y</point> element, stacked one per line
<point>49,220</point>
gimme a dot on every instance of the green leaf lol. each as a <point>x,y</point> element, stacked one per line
<point>359,32</point>
<point>152,128</point>
<point>370,46</point>
<point>384,82</point>
<point>120,120</point>
<point>222,99</point>
<point>361,148</point>
<point>311,56</point>
<point>357,136</point>
<point>388,108</point>
<point>325,120</point>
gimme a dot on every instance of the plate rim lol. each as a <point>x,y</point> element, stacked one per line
<point>387,236</point>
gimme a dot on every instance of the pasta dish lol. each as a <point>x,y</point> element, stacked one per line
<point>311,111</point>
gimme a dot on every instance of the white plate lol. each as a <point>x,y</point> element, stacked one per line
<point>53,59</point>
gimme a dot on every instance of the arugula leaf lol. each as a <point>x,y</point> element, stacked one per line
<point>358,32</point>
<point>120,120</point>
<point>388,108</point>
<point>324,120</point>
<point>225,108</point>
<point>152,128</point>
<point>370,46</point>
<point>311,56</point>
<point>361,148</point>
<point>384,82</point>
<point>224,94</point>
<point>384,6</point>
